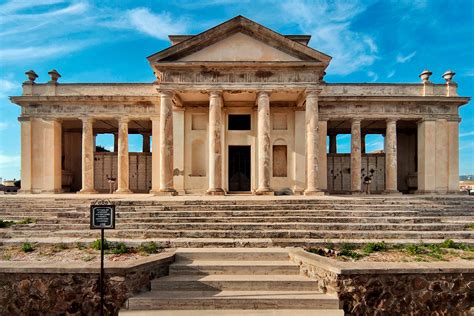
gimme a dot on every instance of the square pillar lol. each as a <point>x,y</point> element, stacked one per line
<point>323,158</point>
<point>333,143</point>
<point>87,156</point>
<point>146,142</point>
<point>26,152</point>
<point>453,156</point>
<point>155,155</point>
<point>123,169</point>
<point>356,157</point>
<point>52,152</point>
<point>300,152</point>
<point>426,156</point>
<point>178,149</point>
<point>215,143</point>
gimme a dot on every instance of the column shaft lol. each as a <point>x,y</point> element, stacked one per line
<point>312,143</point>
<point>453,156</point>
<point>263,140</point>
<point>123,177</point>
<point>426,156</point>
<point>25,154</point>
<point>146,142</point>
<point>391,157</point>
<point>362,144</point>
<point>332,143</point>
<point>52,152</point>
<point>115,142</point>
<point>215,135</point>
<point>323,162</point>
<point>87,156</point>
<point>166,144</point>
<point>356,157</point>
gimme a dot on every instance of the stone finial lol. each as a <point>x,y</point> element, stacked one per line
<point>425,76</point>
<point>448,76</point>
<point>31,74</point>
<point>321,77</point>
<point>54,76</point>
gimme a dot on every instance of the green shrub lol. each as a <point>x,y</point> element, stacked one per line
<point>350,253</point>
<point>149,247</point>
<point>470,226</point>
<point>374,247</point>
<point>96,244</point>
<point>60,247</point>
<point>27,247</point>
<point>6,224</point>
<point>119,248</point>
<point>80,245</point>
<point>27,220</point>
<point>414,249</point>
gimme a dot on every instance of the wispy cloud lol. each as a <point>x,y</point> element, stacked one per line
<point>373,75</point>
<point>9,160</point>
<point>403,59</point>
<point>471,133</point>
<point>7,87</point>
<point>391,74</point>
<point>4,125</point>
<point>330,25</point>
<point>156,25</point>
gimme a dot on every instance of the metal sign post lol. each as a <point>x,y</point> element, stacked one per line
<point>102,217</point>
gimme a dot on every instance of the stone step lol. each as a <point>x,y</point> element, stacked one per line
<point>234,283</point>
<point>235,312</point>
<point>206,267</point>
<point>195,300</point>
<point>186,255</point>
<point>272,234</point>
<point>298,227</point>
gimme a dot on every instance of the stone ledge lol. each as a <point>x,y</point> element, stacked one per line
<point>351,268</point>
<point>85,268</point>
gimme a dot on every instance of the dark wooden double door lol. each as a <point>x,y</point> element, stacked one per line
<point>239,168</point>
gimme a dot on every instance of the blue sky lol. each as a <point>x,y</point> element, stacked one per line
<point>107,41</point>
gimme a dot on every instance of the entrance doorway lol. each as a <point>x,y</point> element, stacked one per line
<point>239,168</point>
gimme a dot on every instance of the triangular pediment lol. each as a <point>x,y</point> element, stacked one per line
<point>239,39</point>
<point>239,47</point>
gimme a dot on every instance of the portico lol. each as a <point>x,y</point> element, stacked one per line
<point>240,108</point>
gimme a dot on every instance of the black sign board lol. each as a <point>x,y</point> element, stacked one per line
<point>102,216</point>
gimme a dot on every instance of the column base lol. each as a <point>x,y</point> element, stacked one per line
<point>425,192</point>
<point>215,192</point>
<point>264,192</point>
<point>55,191</point>
<point>164,192</point>
<point>313,193</point>
<point>358,192</point>
<point>87,191</point>
<point>123,191</point>
<point>21,191</point>
<point>391,192</point>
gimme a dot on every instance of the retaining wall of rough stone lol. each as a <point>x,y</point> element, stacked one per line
<point>382,288</point>
<point>73,288</point>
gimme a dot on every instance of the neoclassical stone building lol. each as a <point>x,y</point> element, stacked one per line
<point>239,108</point>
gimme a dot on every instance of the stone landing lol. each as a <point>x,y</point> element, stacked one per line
<point>238,280</point>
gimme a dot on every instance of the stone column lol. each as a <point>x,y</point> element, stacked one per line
<point>323,162</point>
<point>356,157</point>
<point>115,142</point>
<point>87,156</point>
<point>25,154</point>
<point>263,140</point>
<point>426,156</point>
<point>333,143</point>
<point>155,155</point>
<point>391,157</point>
<point>123,177</point>
<point>312,143</point>
<point>94,146</point>
<point>215,143</point>
<point>146,142</point>
<point>166,143</point>
<point>453,156</point>
<point>362,143</point>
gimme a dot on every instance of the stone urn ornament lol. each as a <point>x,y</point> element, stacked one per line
<point>448,76</point>
<point>425,76</point>
<point>31,74</point>
<point>54,74</point>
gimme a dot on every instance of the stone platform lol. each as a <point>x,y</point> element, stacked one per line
<point>243,221</point>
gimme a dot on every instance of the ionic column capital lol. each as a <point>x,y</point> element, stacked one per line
<point>24,119</point>
<point>166,93</point>
<point>155,118</point>
<point>313,92</point>
<point>123,119</point>
<point>87,119</point>
<point>215,93</point>
<point>391,120</point>
<point>52,119</point>
<point>356,120</point>
<point>263,94</point>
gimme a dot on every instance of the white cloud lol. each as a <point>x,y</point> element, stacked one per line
<point>7,87</point>
<point>373,75</point>
<point>330,25</point>
<point>471,133</point>
<point>155,25</point>
<point>41,52</point>
<point>391,74</point>
<point>4,125</point>
<point>403,59</point>
<point>9,160</point>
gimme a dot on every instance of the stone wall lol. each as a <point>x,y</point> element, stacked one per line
<point>380,288</point>
<point>69,290</point>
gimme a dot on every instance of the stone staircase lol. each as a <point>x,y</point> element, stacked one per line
<point>231,222</point>
<point>236,279</point>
